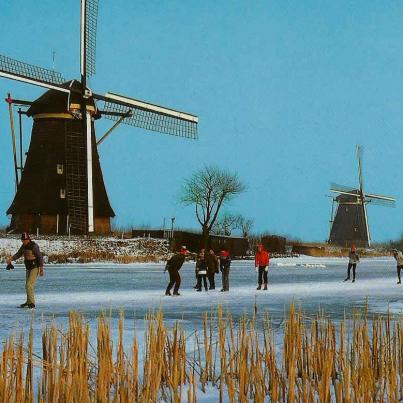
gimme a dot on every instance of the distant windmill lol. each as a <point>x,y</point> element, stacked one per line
<point>61,186</point>
<point>349,224</point>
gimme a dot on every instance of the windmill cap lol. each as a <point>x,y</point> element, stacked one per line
<point>25,236</point>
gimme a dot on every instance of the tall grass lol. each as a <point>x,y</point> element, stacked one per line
<point>358,360</point>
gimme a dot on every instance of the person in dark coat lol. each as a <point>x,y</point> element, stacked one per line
<point>353,259</point>
<point>225,264</point>
<point>173,266</point>
<point>33,261</point>
<point>262,261</point>
<point>212,268</point>
<point>201,253</point>
<point>201,271</point>
<point>398,255</point>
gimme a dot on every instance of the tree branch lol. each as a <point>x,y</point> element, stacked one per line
<point>197,215</point>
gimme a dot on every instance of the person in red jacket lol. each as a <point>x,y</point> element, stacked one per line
<point>262,259</point>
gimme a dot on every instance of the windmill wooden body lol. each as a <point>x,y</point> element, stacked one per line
<point>61,187</point>
<point>349,223</point>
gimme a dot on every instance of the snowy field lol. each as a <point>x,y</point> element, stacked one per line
<point>312,283</point>
<point>75,247</point>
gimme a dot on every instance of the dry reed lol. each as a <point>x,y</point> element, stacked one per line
<point>358,360</point>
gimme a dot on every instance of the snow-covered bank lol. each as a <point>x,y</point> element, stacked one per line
<point>79,249</point>
<point>57,249</point>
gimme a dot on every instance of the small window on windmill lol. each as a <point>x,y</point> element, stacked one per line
<point>59,169</point>
<point>62,193</point>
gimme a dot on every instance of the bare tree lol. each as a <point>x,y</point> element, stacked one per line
<point>226,224</point>
<point>208,190</point>
<point>245,225</point>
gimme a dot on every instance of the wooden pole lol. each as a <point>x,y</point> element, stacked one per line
<point>118,122</point>
<point>21,144</point>
<point>90,185</point>
<point>10,110</point>
<point>331,220</point>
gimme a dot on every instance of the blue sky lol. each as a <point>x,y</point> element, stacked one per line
<point>284,91</point>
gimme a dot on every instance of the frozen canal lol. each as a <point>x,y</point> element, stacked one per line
<point>313,283</point>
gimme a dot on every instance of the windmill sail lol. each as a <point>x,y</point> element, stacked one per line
<point>88,30</point>
<point>31,74</point>
<point>341,188</point>
<point>88,43</point>
<point>149,116</point>
<point>359,161</point>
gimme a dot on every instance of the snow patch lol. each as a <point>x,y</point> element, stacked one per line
<point>105,248</point>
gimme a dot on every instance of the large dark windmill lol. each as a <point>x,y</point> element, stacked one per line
<point>349,224</point>
<point>61,185</point>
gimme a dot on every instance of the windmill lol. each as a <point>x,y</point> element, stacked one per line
<point>349,224</point>
<point>61,187</point>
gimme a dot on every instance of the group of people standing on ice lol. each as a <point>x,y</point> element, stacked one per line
<point>208,265</point>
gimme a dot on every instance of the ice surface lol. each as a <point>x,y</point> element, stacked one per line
<point>137,288</point>
<point>312,283</point>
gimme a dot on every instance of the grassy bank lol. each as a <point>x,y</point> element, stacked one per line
<point>326,250</point>
<point>358,360</point>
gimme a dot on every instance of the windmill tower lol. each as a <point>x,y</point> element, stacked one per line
<point>61,187</point>
<point>349,224</point>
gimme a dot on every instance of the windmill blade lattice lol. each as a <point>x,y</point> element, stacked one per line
<point>25,70</point>
<point>342,188</point>
<point>154,121</point>
<point>345,190</point>
<point>359,160</point>
<point>380,202</point>
<point>91,18</point>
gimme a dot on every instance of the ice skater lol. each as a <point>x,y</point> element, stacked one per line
<point>173,266</point>
<point>33,261</point>
<point>201,272</point>
<point>202,251</point>
<point>353,259</point>
<point>212,268</point>
<point>262,261</point>
<point>398,255</point>
<point>225,264</point>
